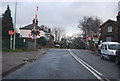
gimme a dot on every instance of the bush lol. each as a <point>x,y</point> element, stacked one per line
<point>91,45</point>
<point>42,41</point>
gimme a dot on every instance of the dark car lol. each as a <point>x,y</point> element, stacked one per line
<point>118,55</point>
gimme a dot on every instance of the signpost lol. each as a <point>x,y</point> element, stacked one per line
<point>11,33</point>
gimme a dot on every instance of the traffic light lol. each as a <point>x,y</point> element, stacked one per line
<point>95,35</point>
<point>35,32</point>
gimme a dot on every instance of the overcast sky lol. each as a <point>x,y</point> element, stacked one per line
<point>62,14</point>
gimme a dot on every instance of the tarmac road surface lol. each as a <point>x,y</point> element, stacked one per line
<point>68,64</point>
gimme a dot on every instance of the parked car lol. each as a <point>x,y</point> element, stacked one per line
<point>108,50</point>
<point>57,46</point>
<point>118,55</point>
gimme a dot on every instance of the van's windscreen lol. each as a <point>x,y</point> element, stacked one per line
<point>112,46</point>
<point>119,47</point>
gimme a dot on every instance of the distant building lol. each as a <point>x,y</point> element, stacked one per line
<point>110,30</point>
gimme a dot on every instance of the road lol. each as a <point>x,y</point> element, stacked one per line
<point>68,64</point>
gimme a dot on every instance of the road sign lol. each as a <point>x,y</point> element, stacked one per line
<point>10,32</point>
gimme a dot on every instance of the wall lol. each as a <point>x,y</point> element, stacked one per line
<point>113,34</point>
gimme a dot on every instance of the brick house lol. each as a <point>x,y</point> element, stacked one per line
<point>110,30</point>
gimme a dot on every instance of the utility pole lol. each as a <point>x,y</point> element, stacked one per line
<point>15,26</point>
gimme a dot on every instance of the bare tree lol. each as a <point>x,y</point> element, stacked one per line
<point>89,25</point>
<point>58,33</point>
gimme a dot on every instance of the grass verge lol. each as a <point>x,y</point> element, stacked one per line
<point>18,50</point>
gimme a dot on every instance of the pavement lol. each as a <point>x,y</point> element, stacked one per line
<point>14,60</point>
<point>67,64</point>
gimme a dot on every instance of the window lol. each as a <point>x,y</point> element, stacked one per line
<point>112,46</point>
<point>109,28</point>
<point>108,39</point>
<point>105,47</point>
<point>119,47</point>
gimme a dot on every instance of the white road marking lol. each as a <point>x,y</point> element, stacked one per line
<point>87,66</point>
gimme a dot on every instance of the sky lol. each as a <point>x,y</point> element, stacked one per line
<point>65,14</point>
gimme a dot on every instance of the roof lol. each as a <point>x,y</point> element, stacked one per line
<point>110,21</point>
<point>31,26</point>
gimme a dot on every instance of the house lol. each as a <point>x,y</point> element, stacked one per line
<point>110,30</point>
<point>27,33</point>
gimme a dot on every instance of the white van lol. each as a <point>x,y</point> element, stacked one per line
<point>108,50</point>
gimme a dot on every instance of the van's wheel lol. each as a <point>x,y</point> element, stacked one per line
<point>117,61</point>
<point>101,56</point>
<point>108,58</point>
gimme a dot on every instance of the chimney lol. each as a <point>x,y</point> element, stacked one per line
<point>35,21</point>
<point>118,17</point>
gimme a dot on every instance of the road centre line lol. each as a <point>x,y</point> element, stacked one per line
<point>88,67</point>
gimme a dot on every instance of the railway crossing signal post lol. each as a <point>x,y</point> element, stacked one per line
<point>34,32</point>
